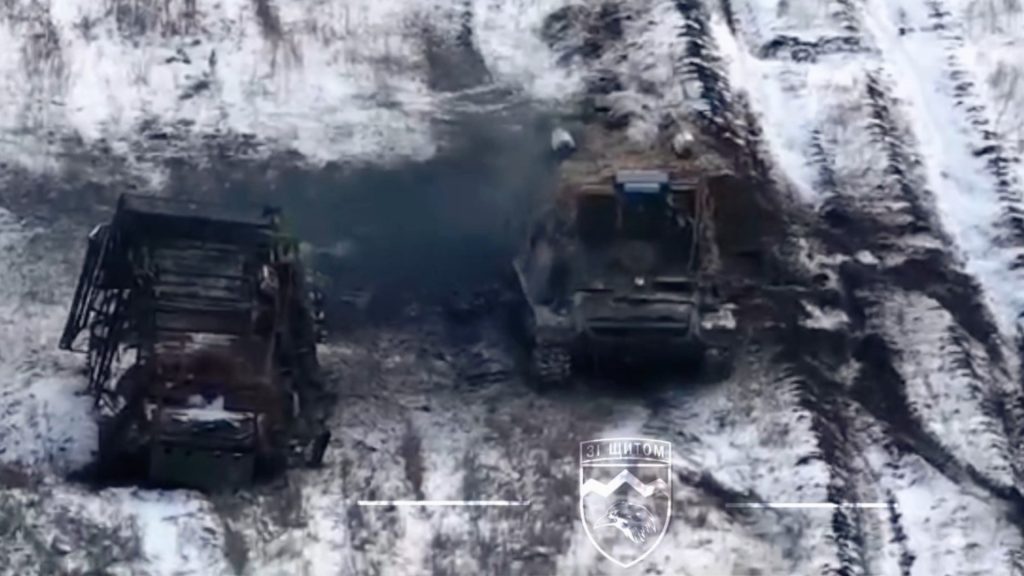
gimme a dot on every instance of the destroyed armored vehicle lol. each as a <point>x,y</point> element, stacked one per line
<point>621,273</point>
<point>200,332</point>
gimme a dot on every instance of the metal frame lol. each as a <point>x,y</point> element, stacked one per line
<point>156,272</point>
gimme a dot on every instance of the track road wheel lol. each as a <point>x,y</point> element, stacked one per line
<point>552,364</point>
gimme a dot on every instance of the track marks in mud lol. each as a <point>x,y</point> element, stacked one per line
<point>408,426</point>
<point>971,342</point>
<point>880,388</point>
<point>821,369</point>
<point>876,200</point>
<point>269,21</point>
<point>747,439</point>
<point>967,166</point>
<point>902,165</point>
<point>999,158</point>
<point>283,46</point>
<point>583,32</point>
<point>65,539</point>
<point>934,391</point>
<point>650,68</point>
<point>950,390</point>
<point>893,221</point>
<point>59,529</point>
<point>450,48</point>
<point>822,398</point>
<point>878,209</point>
<point>702,62</point>
<point>168,18</point>
<point>869,174</point>
<point>756,60</point>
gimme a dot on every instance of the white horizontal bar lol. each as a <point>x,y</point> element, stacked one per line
<point>505,503</point>
<point>625,465</point>
<point>791,505</point>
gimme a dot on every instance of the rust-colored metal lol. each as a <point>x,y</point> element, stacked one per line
<point>213,307</point>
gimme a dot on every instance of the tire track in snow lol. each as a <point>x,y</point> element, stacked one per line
<point>819,396</point>
<point>942,98</point>
<point>793,393</point>
<point>1000,158</point>
<point>963,172</point>
<point>702,62</point>
<point>900,219</point>
<point>747,439</point>
<point>905,239</point>
<point>781,70</point>
<point>889,204</point>
<point>851,531</point>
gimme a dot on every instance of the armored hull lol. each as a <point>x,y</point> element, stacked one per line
<point>622,274</point>
<point>635,327</point>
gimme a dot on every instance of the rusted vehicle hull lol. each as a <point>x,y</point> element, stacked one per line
<point>201,345</point>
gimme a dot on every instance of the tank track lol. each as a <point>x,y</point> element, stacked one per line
<point>552,363</point>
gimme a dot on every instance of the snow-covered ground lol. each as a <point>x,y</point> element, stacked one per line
<point>344,81</point>
<point>897,128</point>
<point>951,66</point>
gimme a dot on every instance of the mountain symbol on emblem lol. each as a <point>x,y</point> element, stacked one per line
<point>594,486</point>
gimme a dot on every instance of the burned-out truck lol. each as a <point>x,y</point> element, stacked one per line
<point>200,333</point>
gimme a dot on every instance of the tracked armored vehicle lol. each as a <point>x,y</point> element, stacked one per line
<point>200,333</point>
<point>622,273</point>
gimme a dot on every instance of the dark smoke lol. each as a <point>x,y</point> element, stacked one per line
<point>410,232</point>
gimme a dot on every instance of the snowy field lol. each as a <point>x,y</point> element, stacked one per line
<point>893,132</point>
<point>332,80</point>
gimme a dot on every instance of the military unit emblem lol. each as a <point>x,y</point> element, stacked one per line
<point>625,495</point>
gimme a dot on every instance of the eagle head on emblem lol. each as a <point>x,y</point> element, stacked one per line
<point>634,521</point>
